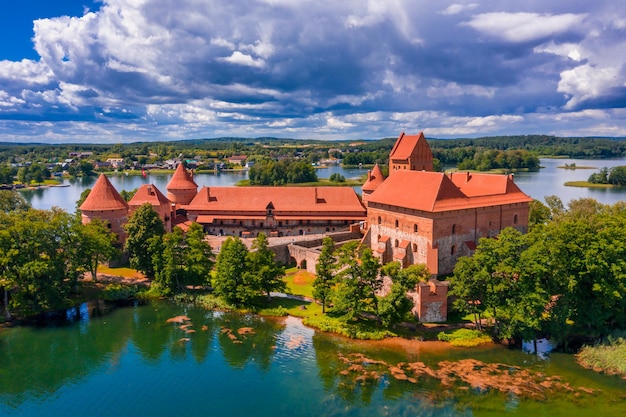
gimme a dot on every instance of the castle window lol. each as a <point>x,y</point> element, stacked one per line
<point>415,247</point>
<point>396,243</point>
<point>380,220</point>
<point>415,228</point>
<point>515,219</point>
<point>397,223</point>
<point>453,228</point>
<point>453,250</point>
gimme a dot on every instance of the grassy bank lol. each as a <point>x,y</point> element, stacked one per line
<point>609,358</point>
<point>587,184</point>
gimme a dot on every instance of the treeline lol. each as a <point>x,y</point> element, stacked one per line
<point>485,160</point>
<point>43,254</point>
<point>614,176</point>
<point>284,171</point>
<point>565,279</point>
<point>573,147</point>
<point>176,261</point>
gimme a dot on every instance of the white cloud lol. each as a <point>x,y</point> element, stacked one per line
<point>572,51</point>
<point>243,59</point>
<point>587,81</point>
<point>458,8</point>
<point>523,27</point>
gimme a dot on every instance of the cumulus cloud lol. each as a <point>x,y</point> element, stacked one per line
<point>159,69</point>
<point>523,27</point>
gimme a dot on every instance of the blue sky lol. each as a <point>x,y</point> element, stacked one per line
<point>134,70</point>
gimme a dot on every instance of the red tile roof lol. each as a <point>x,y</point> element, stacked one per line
<point>437,192</point>
<point>148,193</point>
<point>286,201</point>
<point>404,146</point>
<point>374,179</point>
<point>103,197</point>
<point>181,180</point>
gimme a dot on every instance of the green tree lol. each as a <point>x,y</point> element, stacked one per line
<point>396,305</point>
<point>199,258</point>
<point>358,280</point>
<point>265,273</point>
<point>96,245</point>
<point>325,269</point>
<point>12,201</point>
<point>82,198</point>
<point>231,273</point>
<point>143,225</point>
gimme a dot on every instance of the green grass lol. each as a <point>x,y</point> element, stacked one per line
<point>119,272</point>
<point>365,330</point>
<point>299,282</point>
<point>587,184</point>
<point>609,358</point>
<point>464,338</point>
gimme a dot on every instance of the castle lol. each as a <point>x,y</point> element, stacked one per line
<point>415,215</point>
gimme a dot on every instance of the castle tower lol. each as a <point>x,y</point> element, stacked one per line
<point>106,203</point>
<point>150,194</point>
<point>374,179</point>
<point>182,188</point>
<point>411,153</point>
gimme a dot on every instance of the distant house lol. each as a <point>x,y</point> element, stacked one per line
<point>102,165</point>
<point>116,162</point>
<point>237,159</point>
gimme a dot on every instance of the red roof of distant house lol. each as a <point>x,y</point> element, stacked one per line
<point>148,193</point>
<point>374,179</point>
<point>405,145</point>
<point>103,196</point>
<point>284,201</point>
<point>436,191</point>
<point>181,180</point>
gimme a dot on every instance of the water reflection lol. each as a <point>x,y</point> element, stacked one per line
<point>163,359</point>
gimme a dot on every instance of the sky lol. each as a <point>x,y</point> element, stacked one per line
<point>115,71</point>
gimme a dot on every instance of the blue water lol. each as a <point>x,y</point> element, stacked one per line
<point>132,362</point>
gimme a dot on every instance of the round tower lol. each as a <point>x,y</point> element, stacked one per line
<point>182,188</point>
<point>104,202</point>
<point>374,179</point>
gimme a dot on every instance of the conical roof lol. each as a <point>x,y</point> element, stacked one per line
<point>148,193</point>
<point>374,179</point>
<point>181,180</point>
<point>104,196</point>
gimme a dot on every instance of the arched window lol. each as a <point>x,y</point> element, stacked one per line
<point>380,220</point>
<point>453,228</point>
<point>415,247</point>
<point>515,219</point>
<point>453,250</point>
<point>415,228</point>
<point>397,223</point>
<point>396,243</point>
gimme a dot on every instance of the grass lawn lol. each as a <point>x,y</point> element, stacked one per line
<point>587,184</point>
<point>299,282</point>
<point>120,272</point>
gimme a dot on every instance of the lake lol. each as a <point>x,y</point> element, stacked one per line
<point>132,362</point>
<point>549,180</point>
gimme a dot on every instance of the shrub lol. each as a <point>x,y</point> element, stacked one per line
<point>464,338</point>
<point>609,357</point>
